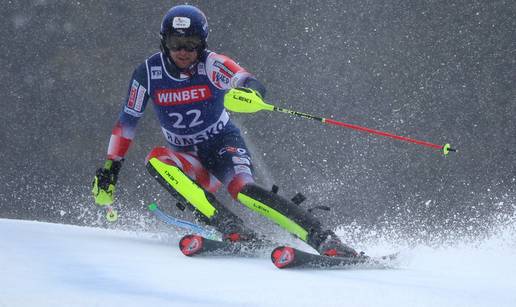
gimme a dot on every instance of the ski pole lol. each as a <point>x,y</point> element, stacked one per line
<point>170,220</point>
<point>247,101</point>
<point>111,214</point>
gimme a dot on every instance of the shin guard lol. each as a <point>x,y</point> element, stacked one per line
<point>204,204</point>
<point>282,211</point>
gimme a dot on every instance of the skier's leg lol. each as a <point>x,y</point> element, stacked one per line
<point>294,219</point>
<point>232,163</point>
<point>189,182</point>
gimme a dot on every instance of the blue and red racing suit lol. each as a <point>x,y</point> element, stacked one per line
<point>202,140</point>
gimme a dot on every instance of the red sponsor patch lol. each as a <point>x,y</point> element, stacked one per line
<point>132,94</point>
<point>227,66</point>
<point>184,95</point>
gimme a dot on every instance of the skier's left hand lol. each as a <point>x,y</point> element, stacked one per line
<point>103,185</point>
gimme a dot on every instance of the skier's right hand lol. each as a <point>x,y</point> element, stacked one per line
<point>103,185</point>
<point>245,100</point>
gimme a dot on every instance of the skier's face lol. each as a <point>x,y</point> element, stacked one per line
<point>183,49</point>
<point>183,59</point>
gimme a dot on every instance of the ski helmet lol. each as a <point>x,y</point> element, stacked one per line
<point>184,21</point>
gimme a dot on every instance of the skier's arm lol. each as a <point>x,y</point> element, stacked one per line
<point>121,137</point>
<point>256,85</point>
<point>226,73</point>
<point>134,106</point>
<point>253,83</point>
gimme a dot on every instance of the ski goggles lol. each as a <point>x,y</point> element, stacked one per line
<point>187,43</point>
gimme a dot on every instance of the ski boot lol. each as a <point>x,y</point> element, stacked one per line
<point>230,225</point>
<point>332,246</point>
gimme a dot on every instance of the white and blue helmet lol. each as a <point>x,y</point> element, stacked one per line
<point>184,21</point>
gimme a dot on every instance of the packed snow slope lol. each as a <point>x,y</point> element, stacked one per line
<point>45,264</point>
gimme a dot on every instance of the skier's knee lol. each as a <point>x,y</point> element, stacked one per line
<point>163,154</point>
<point>238,182</point>
<point>184,189</point>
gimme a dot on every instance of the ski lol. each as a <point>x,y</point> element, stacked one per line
<point>191,245</point>
<point>289,257</point>
<point>170,220</point>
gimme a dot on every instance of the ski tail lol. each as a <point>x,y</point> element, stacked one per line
<point>289,257</point>
<point>283,257</point>
<point>191,245</point>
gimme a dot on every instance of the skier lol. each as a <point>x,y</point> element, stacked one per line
<point>187,85</point>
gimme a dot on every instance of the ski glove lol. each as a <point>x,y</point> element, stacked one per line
<point>245,100</point>
<point>104,182</point>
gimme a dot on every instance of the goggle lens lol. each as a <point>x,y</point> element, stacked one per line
<point>188,43</point>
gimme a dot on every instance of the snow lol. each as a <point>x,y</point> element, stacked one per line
<point>43,264</point>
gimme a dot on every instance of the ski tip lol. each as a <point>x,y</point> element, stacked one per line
<point>191,244</point>
<point>283,256</point>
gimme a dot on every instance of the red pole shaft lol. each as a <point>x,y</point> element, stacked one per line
<point>377,132</point>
